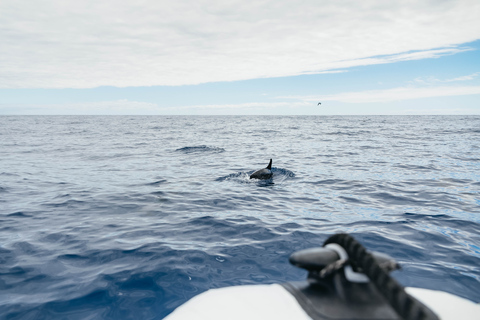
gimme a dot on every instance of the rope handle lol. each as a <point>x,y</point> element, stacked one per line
<point>407,307</point>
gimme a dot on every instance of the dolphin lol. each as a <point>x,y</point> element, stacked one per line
<point>263,174</point>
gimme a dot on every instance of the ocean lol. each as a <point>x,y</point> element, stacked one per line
<point>128,217</point>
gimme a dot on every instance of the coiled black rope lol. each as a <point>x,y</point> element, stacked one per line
<point>406,307</point>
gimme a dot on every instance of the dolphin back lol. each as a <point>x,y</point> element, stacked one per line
<point>263,174</point>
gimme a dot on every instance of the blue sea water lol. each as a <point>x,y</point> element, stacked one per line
<point>127,217</point>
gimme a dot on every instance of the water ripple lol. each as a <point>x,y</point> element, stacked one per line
<point>200,149</point>
<point>129,217</point>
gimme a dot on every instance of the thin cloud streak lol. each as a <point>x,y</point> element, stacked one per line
<point>86,44</point>
<point>252,105</point>
<point>118,107</point>
<point>127,107</point>
<point>436,111</point>
<point>434,81</point>
<point>464,78</point>
<point>394,94</point>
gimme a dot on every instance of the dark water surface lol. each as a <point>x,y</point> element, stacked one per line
<point>129,217</point>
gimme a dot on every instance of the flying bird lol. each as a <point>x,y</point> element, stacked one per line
<point>319,103</point>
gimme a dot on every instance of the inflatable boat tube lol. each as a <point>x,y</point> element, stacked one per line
<point>344,282</point>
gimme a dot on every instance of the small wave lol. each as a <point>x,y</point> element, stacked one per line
<point>269,131</point>
<point>348,133</point>
<point>18,214</point>
<point>67,203</point>
<point>160,196</point>
<point>464,158</point>
<point>198,149</point>
<point>9,174</point>
<point>156,183</point>
<point>72,257</point>
<point>426,216</point>
<point>392,199</point>
<point>328,182</point>
<point>416,167</point>
<point>352,200</point>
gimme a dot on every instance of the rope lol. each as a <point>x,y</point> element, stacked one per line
<point>406,307</point>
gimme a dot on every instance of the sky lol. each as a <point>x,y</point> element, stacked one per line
<point>229,57</point>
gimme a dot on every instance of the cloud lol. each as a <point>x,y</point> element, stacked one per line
<point>437,111</point>
<point>464,78</point>
<point>118,107</point>
<point>91,43</point>
<point>393,94</point>
<point>127,107</point>
<point>432,80</point>
<point>251,105</point>
<point>240,108</point>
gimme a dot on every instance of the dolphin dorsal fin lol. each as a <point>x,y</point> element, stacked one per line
<point>269,167</point>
